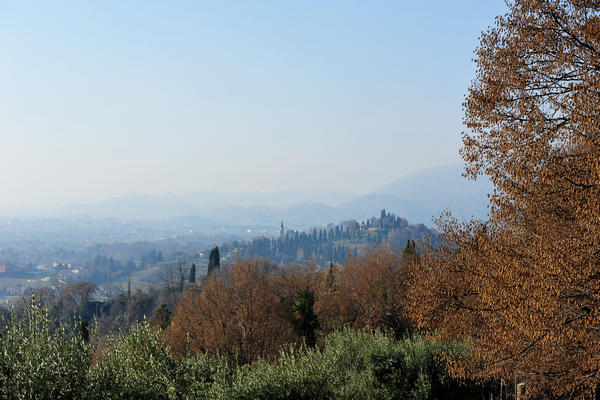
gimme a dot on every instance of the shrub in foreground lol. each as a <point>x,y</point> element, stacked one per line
<point>139,365</point>
<point>355,365</point>
<point>40,360</point>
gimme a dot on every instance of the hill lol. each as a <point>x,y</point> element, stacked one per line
<point>418,197</point>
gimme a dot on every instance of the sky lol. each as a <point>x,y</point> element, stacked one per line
<point>105,99</point>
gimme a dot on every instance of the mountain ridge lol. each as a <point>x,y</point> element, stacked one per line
<point>419,197</point>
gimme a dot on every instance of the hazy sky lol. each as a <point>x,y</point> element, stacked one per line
<point>106,98</point>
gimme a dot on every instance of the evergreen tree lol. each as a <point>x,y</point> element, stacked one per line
<point>306,322</point>
<point>330,278</point>
<point>410,249</point>
<point>84,331</point>
<point>214,260</point>
<point>180,274</point>
<point>193,273</point>
<point>162,317</point>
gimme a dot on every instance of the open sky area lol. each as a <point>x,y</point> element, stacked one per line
<point>107,98</point>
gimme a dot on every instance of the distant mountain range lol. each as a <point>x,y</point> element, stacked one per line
<point>417,197</point>
<point>425,194</point>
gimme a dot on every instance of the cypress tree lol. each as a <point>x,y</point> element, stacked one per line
<point>214,260</point>
<point>330,278</point>
<point>306,322</point>
<point>410,249</point>
<point>84,331</point>
<point>162,317</point>
<point>193,273</point>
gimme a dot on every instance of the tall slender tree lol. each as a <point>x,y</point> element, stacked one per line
<point>306,324</point>
<point>214,260</point>
<point>192,274</point>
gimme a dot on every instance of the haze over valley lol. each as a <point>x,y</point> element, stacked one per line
<point>238,200</point>
<point>130,227</point>
<point>420,197</point>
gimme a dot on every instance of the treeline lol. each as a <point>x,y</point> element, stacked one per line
<point>335,243</point>
<point>252,308</point>
<point>117,313</point>
<point>249,330</point>
<point>103,269</point>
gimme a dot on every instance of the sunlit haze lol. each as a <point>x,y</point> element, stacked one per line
<point>104,99</point>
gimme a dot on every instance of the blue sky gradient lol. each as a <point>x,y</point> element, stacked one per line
<point>102,99</point>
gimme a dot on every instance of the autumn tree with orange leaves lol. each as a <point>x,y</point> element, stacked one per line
<point>524,287</point>
<point>366,293</point>
<point>243,312</point>
<point>252,308</point>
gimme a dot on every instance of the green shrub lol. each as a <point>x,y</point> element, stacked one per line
<point>139,365</point>
<point>416,369</point>
<point>201,377</point>
<point>348,357</point>
<point>39,360</point>
<point>352,365</point>
<point>135,366</point>
<point>297,375</point>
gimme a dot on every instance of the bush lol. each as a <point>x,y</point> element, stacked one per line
<point>39,360</point>
<point>297,375</point>
<point>201,377</point>
<point>135,366</point>
<point>416,369</point>
<point>140,366</point>
<point>354,365</point>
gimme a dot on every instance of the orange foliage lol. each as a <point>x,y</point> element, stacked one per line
<point>243,311</point>
<point>367,293</point>
<point>246,311</point>
<point>525,286</point>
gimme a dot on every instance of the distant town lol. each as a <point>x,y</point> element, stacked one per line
<point>142,263</point>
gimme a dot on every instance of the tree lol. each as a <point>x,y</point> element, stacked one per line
<point>305,324</point>
<point>135,365</point>
<point>367,293</point>
<point>524,286</point>
<point>168,278</point>
<point>410,249</point>
<point>192,274</point>
<point>84,331</point>
<point>239,313</point>
<point>41,358</point>
<point>214,260</point>
<point>180,274</point>
<point>72,299</point>
<point>162,317</point>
